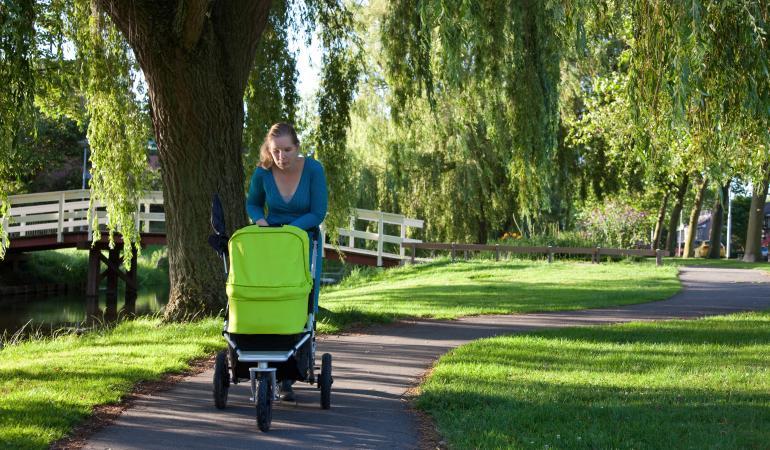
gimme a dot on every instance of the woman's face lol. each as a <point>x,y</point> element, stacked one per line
<point>284,152</point>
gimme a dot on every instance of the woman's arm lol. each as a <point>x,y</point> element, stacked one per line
<point>255,201</point>
<point>318,200</point>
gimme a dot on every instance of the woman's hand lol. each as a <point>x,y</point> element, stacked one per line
<point>262,223</point>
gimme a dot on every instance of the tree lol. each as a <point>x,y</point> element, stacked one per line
<point>692,224</point>
<point>196,58</point>
<point>756,219</point>
<point>717,221</point>
<point>676,211</point>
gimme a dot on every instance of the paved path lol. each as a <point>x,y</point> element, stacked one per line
<point>372,372</point>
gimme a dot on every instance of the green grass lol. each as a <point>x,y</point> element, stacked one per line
<point>70,266</point>
<point>680,384</point>
<point>49,386</point>
<point>449,290</point>
<point>720,263</point>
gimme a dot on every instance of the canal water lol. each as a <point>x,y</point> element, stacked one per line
<point>47,313</point>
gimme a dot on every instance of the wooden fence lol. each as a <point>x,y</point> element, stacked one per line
<point>595,253</point>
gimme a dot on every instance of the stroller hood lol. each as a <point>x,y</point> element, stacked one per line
<point>269,280</point>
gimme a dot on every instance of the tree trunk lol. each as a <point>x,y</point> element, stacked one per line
<point>753,251</point>
<point>673,221</point>
<point>196,57</point>
<point>659,222</point>
<point>692,228</point>
<point>717,222</point>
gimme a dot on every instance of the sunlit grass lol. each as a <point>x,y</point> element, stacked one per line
<point>48,386</point>
<point>449,290</point>
<point>678,384</point>
<point>717,263</point>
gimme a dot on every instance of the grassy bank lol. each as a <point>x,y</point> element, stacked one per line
<point>448,290</point>
<point>70,266</point>
<point>49,386</point>
<point>677,384</point>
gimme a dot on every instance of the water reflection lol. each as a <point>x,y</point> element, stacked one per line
<point>65,310</point>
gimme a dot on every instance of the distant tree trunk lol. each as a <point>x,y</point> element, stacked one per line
<point>673,221</point>
<point>753,251</point>
<point>717,221</point>
<point>689,240</point>
<point>659,223</point>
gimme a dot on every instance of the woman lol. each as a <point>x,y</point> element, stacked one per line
<point>293,188</point>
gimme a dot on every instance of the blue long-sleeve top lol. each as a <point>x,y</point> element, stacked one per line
<point>305,210</point>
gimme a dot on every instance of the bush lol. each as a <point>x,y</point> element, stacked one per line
<point>615,224</point>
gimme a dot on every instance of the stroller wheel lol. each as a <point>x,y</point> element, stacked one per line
<point>221,381</point>
<point>325,381</point>
<point>264,403</point>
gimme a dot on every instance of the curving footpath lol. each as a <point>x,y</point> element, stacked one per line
<point>374,370</point>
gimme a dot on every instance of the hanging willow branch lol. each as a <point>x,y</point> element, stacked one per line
<point>117,133</point>
<point>17,37</point>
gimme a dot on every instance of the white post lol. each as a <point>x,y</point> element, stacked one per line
<point>403,237</point>
<point>380,232</point>
<point>89,220</point>
<point>60,222</point>
<point>351,239</point>
<point>729,219</point>
<point>4,236</point>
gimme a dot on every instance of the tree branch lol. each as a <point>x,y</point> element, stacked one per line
<point>189,20</point>
<point>238,26</point>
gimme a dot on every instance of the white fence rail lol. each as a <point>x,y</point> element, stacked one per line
<point>48,213</point>
<point>56,213</point>
<point>380,238</point>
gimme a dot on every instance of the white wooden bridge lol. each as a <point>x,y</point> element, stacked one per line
<point>52,220</point>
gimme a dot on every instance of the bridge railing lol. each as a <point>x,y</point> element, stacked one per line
<point>348,236</point>
<point>56,213</point>
<point>61,212</point>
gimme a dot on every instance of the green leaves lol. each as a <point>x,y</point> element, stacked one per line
<point>17,37</point>
<point>117,132</point>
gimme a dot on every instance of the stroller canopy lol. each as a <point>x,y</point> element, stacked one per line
<point>269,280</point>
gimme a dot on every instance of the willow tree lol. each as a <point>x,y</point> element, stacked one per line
<point>196,58</point>
<point>489,74</point>
<point>707,61</point>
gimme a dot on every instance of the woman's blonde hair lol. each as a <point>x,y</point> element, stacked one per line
<point>277,130</point>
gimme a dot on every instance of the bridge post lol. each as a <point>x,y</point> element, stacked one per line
<point>130,301</point>
<point>94,265</point>
<point>351,239</point>
<point>112,278</point>
<point>380,232</point>
<point>60,222</point>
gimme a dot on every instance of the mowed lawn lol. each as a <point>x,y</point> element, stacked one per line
<point>449,290</point>
<point>49,386</point>
<point>701,384</point>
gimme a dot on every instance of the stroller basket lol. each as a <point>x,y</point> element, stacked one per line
<point>269,280</point>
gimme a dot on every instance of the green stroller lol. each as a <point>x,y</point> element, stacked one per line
<point>270,318</point>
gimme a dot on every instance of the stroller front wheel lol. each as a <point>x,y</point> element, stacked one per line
<point>221,380</point>
<point>264,403</point>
